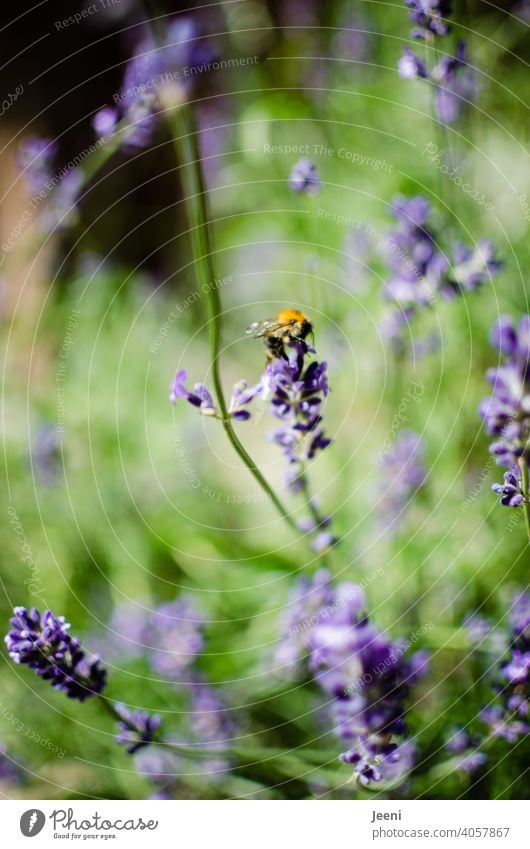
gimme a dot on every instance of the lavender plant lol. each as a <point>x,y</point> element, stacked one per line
<point>421,270</point>
<point>403,473</point>
<point>364,675</point>
<point>452,78</point>
<point>506,411</point>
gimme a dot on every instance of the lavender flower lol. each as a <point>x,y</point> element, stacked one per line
<point>159,75</point>
<point>104,122</point>
<point>456,85</point>
<point>428,16</point>
<point>9,770</point>
<point>44,644</point>
<point>304,178</point>
<point>465,746</point>
<point>137,728</point>
<point>311,599</point>
<point>509,720</point>
<point>511,494</point>
<point>411,67</point>
<point>420,270</point>
<point>369,679</point>
<point>403,474</point>
<point>174,631</point>
<point>507,412</point>
<point>211,725</point>
<point>295,391</point>
<point>367,676</point>
<point>45,454</point>
<point>472,267</point>
<point>200,397</point>
<point>412,256</point>
<point>35,158</point>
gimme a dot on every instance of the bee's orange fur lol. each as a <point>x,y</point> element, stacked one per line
<point>287,316</point>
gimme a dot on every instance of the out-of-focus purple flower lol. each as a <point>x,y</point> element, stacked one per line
<point>472,267</point>
<point>428,17</point>
<point>159,74</point>
<point>513,679</point>
<point>44,644</point>
<point>411,67</point>
<point>507,412</point>
<point>137,728</point>
<point>200,397</point>
<point>403,473</point>
<point>411,254</point>
<point>456,85</point>
<point>35,158</point>
<point>45,453</point>
<point>465,746</point>
<point>478,628</point>
<point>311,599</point>
<point>212,725</point>
<point>9,770</point>
<point>503,725</point>
<point>420,270</point>
<point>104,122</point>
<point>367,676</point>
<point>511,494</point>
<point>304,177</point>
<point>520,619</point>
<point>174,637</point>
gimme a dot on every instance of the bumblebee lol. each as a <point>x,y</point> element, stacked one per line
<point>277,332</point>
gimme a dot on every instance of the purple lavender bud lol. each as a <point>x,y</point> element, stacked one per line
<point>242,395</point>
<point>323,541</point>
<point>104,122</point>
<point>510,491</point>
<point>304,178</point>
<point>145,727</point>
<point>44,644</point>
<point>411,67</point>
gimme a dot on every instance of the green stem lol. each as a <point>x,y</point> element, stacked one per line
<point>185,139</point>
<point>524,487</point>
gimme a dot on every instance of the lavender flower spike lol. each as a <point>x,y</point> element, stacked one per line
<point>44,644</point>
<point>428,16</point>
<point>506,412</point>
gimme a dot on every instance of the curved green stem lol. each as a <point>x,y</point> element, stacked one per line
<point>185,138</point>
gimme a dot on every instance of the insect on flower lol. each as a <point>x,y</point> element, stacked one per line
<point>289,325</point>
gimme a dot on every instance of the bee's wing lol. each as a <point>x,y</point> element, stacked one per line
<point>270,325</point>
